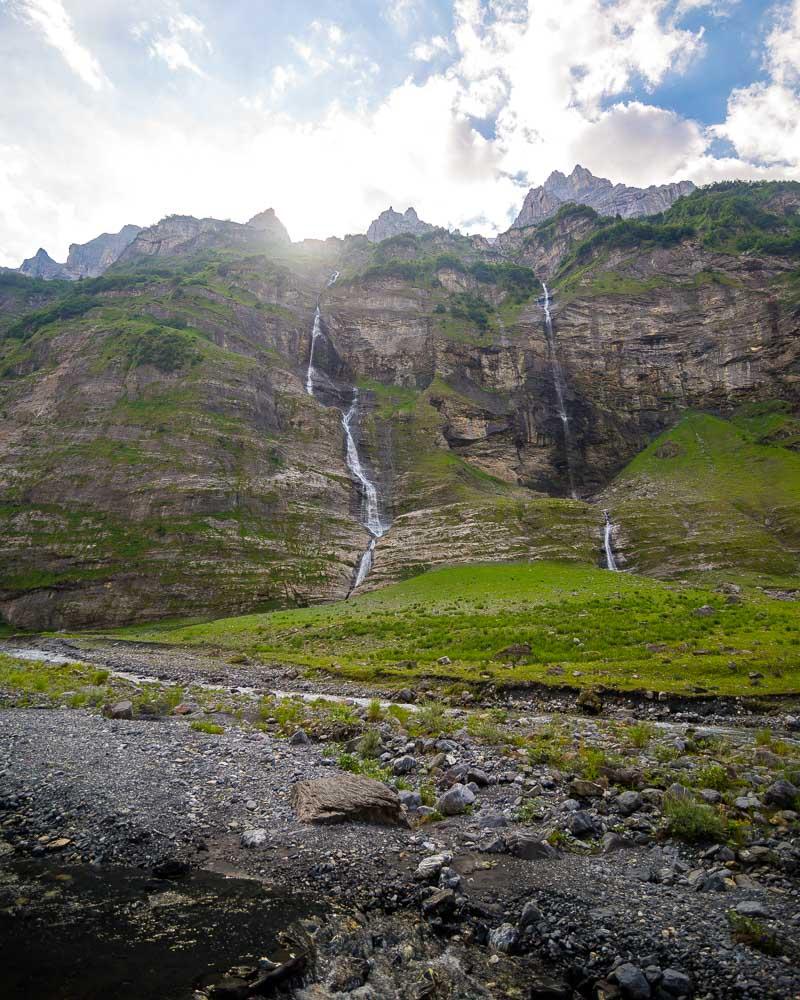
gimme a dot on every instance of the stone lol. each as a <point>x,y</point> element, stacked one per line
<point>444,661</point>
<point>528,847</point>
<point>122,710</point>
<point>410,800</point>
<point>441,904</point>
<point>632,982</point>
<point>504,938</point>
<point>404,765</point>
<point>751,908</point>
<point>583,824</point>
<point>455,800</point>
<point>531,914</point>
<point>782,793</point>
<point>405,696</point>
<point>430,867</point>
<point>629,802</point>
<point>544,988</point>
<point>613,842</point>
<point>254,838</point>
<point>184,709</point>
<point>299,738</point>
<point>676,983</point>
<point>346,798</point>
<point>706,611</point>
<point>581,789</point>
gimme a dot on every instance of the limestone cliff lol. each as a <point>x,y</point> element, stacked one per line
<point>581,187</point>
<point>391,223</point>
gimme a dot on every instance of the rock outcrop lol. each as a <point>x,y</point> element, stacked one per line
<point>42,265</point>
<point>346,798</point>
<point>581,187</point>
<point>391,223</point>
<point>90,260</point>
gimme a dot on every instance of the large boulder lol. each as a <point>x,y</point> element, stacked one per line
<point>346,798</point>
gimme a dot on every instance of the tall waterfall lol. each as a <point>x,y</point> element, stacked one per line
<point>371,515</point>
<point>611,562</point>
<point>560,388</point>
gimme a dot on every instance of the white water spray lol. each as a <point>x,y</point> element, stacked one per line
<point>560,387</point>
<point>371,518</point>
<point>611,562</point>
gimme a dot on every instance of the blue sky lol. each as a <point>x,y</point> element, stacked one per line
<point>330,111</point>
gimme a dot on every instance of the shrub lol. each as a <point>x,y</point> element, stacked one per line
<point>374,711</point>
<point>589,762</point>
<point>640,734</point>
<point>211,728</point>
<point>692,821</point>
<point>370,745</point>
<point>432,720</point>
<point>749,931</point>
<point>289,714</point>
<point>713,776</point>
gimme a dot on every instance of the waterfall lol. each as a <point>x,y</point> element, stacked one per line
<point>560,387</point>
<point>611,562</point>
<point>316,333</point>
<point>371,518</point>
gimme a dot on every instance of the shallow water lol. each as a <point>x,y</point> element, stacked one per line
<point>91,933</point>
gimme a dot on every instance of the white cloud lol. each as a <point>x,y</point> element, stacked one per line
<point>763,119</point>
<point>178,41</point>
<point>50,17</point>
<point>402,13</point>
<point>426,50</point>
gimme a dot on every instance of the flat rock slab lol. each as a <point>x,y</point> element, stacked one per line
<point>347,798</point>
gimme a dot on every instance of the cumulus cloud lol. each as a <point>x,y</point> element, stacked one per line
<point>763,119</point>
<point>425,51</point>
<point>55,25</point>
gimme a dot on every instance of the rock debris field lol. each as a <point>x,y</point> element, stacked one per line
<point>439,853</point>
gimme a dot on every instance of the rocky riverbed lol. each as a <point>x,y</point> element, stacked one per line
<point>578,856</point>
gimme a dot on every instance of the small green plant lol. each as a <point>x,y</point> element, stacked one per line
<point>713,776</point>
<point>692,821</point>
<point>589,761</point>
<point>370,745</point>
<point>202,726</point>
<point>99,678</point>
<point>558,838</point>
<point>289,714</point>
<point>434,817</point>
<point>374,711</point>
<point>486,730</point>
<point>402,715</point>
<point>749,931</point>
<point>640,734</point>
<point>428,794</point>
<point>529,811</point>
<point>666,752</point>
<point>357,765</point>
<point>432,720</point>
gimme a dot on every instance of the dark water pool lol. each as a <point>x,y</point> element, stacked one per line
<point>92,933</point>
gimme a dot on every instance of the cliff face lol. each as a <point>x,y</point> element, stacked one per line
<point>581,187</point>
<point>159,453</point>
<point>89,260</point>
<point>391,223</point>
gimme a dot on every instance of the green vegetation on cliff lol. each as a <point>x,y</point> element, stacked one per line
<point>707,495</point>
<point>584,627</point>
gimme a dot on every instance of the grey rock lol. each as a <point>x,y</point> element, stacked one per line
<point>581,789</point>
<point>455,800</point>
<point>430,867</point>
<point>613,842</point>
<point>411,800</point>
<point>583,824</point>
<point>391,223</point>
<point>676,983</point>
<point>440,904</point>
<point>404,765</point>
<point>751,908</point>
<point>531,914</point>
<point>629,802</point>
<point>254,838</point>
<point>632,982</point>
<point>528,847</point>
<point>504,938</point>
<point>299,738</point>
<point>122,710</point>
<point>782,793</point>
<point>346,798</point>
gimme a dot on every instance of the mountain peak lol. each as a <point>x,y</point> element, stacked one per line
<point>391,223</point>
<point>583,188</point>
<point>268,222</point>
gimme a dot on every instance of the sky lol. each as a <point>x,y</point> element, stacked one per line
<point>118,112</point>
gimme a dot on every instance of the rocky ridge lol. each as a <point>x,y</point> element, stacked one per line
<point>391,223</point>
<point>581,187</point>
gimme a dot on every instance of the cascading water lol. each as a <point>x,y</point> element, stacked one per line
<point>560,386</point>
<point>371,519</point>
<point>611,562</point>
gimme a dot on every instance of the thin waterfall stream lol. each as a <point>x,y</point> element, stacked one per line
<point>371,515</point>
<point>560,387</point>
<point>611,562</point>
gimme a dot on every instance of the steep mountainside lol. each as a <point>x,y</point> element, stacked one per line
<point>160,453</point>
<point>85,260</point>
<point>583,188</point>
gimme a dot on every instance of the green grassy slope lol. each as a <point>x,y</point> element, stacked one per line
<point>584,626</point>
<point>707,495</point>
